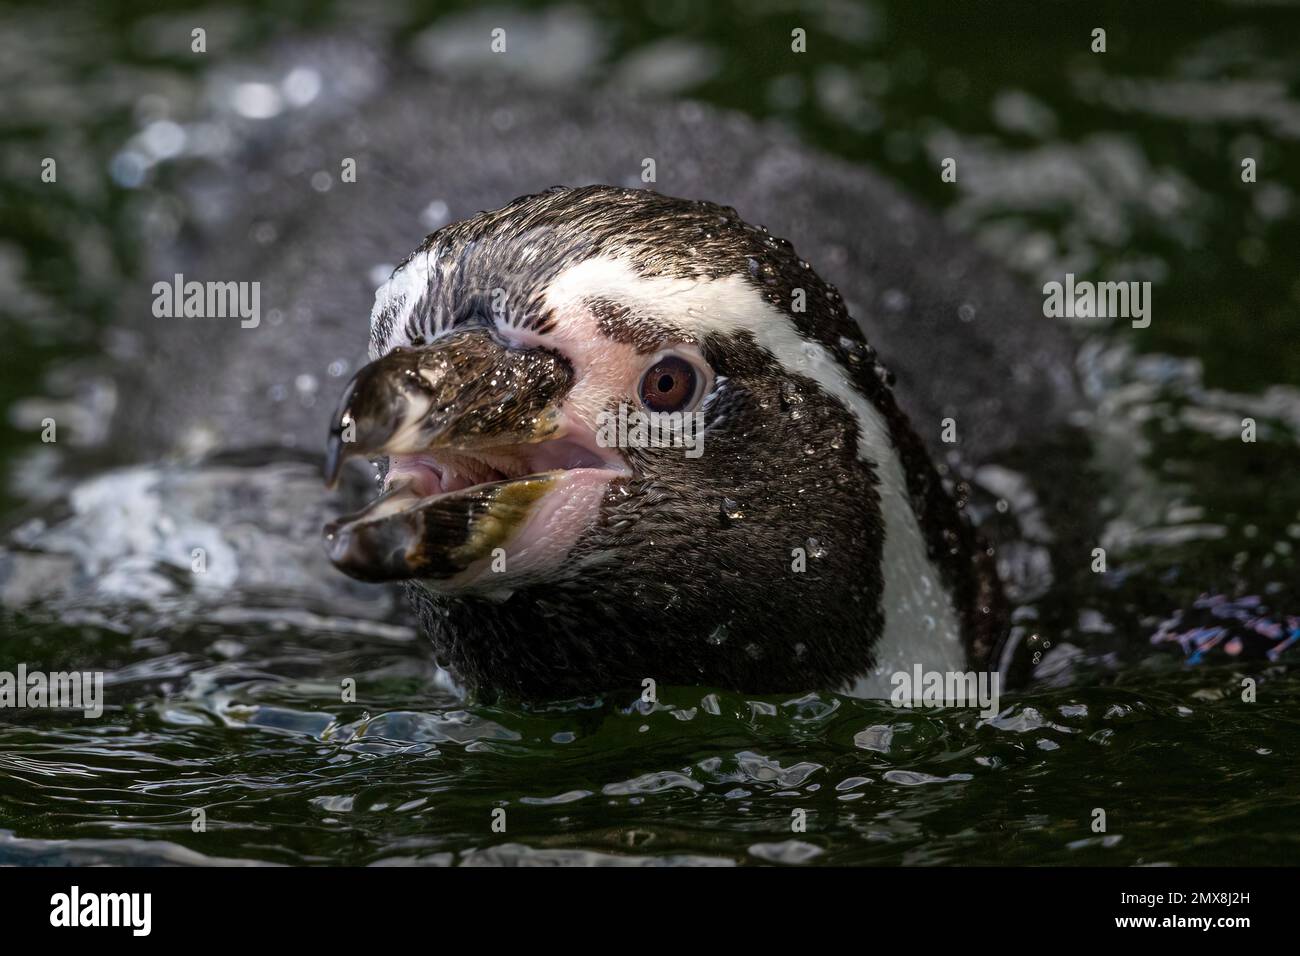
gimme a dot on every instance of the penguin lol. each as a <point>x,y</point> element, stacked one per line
<point>810,543</point>
<point>806,394</point>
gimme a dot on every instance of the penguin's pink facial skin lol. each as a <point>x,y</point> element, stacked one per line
<point>497,446</point>
<point>608,366</point>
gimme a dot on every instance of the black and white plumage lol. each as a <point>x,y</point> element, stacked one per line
<point>241,410</point>
<point>680,570</point>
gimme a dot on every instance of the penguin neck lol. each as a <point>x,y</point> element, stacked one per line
<point>941,601</point>
<point>937,577</point>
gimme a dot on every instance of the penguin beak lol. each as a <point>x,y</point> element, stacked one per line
<point>476,438</point>
<point>467,390</point>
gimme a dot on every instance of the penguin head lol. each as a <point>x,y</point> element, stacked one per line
<point>634,437</point>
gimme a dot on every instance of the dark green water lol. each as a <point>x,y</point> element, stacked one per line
<point>1126,166</point>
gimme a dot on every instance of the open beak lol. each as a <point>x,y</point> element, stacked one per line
<point>476,439</point>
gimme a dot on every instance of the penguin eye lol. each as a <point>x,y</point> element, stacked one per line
<point>670,384</point>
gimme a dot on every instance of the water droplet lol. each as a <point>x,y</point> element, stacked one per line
<point>256,100</point>
<point>301,86</point>
<point>895,300</point>
<point>731,510</point>
<point>435,214</point>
